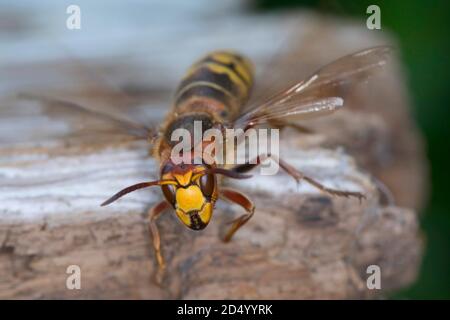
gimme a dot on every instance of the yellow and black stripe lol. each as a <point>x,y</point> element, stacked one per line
<point>224,76</point>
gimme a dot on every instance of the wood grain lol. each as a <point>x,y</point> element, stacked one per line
<point>298,245</point>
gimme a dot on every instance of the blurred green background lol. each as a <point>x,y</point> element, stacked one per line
<point>422,29</point>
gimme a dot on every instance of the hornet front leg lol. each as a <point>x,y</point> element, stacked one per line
<point>241,199</point>
<point>154,213</point>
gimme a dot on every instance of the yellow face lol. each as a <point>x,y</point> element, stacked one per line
<point>193,196</point>
<point>192,208</point>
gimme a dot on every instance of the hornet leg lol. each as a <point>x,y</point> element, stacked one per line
<point>297,175</point>
<point>154,213</point>
<point>281,124</point>
<point>242,200</point>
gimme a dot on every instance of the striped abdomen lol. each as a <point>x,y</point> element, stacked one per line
<point>220,82</point>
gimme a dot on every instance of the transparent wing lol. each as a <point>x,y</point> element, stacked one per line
<point>321,93</point>
<point>55,107</point>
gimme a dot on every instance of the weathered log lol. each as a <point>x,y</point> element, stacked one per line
<point>300,244</point>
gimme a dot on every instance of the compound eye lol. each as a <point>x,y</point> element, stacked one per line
<point>207,183</point>
<point>168,167</point>
<point>169,193</point>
